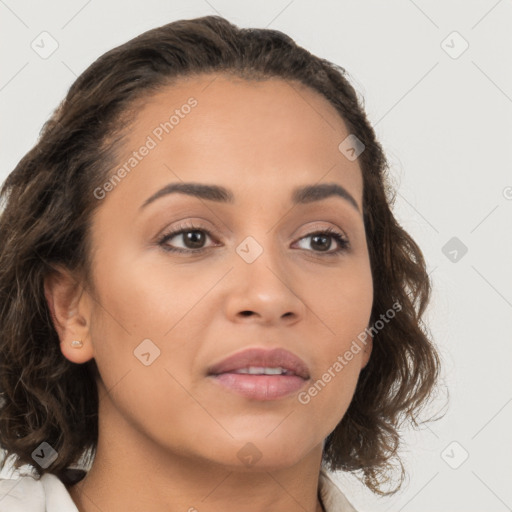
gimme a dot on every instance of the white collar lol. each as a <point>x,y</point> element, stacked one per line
<point>48,494</point>
<point>333,500</point>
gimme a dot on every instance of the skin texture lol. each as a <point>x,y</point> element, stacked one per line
<point>168,435</point>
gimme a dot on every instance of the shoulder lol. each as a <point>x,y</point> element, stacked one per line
<point>26,493</point>
<point>331,496</point>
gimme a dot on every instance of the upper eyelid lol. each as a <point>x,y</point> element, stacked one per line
<point>179,230</point>
<point>196,225</point>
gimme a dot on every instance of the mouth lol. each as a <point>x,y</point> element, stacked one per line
<point>261,374</point>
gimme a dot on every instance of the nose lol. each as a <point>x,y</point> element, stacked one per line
<point>262,291</point>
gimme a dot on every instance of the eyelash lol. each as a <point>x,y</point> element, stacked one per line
<point>331,232</point>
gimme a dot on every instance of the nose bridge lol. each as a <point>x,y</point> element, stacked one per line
<point>262,279</point>
<point>261,246</point>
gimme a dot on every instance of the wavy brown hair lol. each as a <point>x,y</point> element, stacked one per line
<point>45,221</point>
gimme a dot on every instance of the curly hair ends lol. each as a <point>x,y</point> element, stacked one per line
<point>45,220</point>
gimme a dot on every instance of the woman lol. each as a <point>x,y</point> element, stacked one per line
<point>207,301</point>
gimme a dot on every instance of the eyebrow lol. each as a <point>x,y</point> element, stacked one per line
<point>300,195</point>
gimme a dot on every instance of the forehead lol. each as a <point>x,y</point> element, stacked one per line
<point>254,136</point>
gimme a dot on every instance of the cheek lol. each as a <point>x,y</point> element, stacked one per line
<point>343,303</point>
<point>343,306</point>
<point>148,318</point>
<point>135,331</point>
<point>141,300</point>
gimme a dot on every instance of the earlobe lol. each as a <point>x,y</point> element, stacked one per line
<point>70,314</point>
<point>76,350</point>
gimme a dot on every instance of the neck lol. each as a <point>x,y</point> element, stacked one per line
<point>131,472</point>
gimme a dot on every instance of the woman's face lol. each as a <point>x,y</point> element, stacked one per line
<point>251,272</point>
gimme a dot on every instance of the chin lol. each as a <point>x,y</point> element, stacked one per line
<point>262,454</point>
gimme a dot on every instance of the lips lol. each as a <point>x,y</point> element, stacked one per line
<point>262,358</point>
<point>261,374</point>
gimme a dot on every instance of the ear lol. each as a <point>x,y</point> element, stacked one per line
<point>367,351</point>
<point>70,308</point>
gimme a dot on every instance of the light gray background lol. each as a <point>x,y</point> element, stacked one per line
<point>445,124</point>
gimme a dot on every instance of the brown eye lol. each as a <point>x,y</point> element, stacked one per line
<point>321,241</point>
<point>193,239</point>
